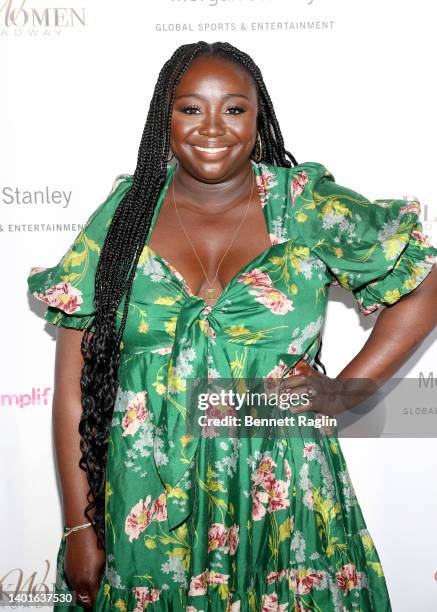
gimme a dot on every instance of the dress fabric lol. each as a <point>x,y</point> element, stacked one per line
<point>228,523</point>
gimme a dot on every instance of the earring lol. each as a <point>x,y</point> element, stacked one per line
<point>171,156</point>
<point>260,156</point>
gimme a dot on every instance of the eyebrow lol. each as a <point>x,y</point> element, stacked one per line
<point>226,95</point>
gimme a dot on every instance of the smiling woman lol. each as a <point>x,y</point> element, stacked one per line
<point>218,266</point>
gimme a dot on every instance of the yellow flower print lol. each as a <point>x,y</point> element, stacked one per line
<point>144,327</point>
<point>338,252</point>
<point>166,301</point>
<point>186,439</point>
<point>293,289</point>
<point>145,255</point>
<point>336,207</point>
<point>343,280</point>
<point>170,326</point>
<point>236,330</point>
<point>392,296</point>
<point>394,245</point>
<point>301,217</point>
<point>175,383</point>
<point>120,605</point>
<point>298,255</point>
<point>301,251</point>
<point>160,388</point>
<point>411,283</point>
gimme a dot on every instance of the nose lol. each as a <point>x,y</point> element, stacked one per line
<point>212,124</point>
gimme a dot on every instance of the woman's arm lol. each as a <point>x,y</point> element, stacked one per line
<point>67,410</point>
<point>83,561</point>
<point>398,331</point>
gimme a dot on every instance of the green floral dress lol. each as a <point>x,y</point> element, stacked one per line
<point>229,523</point>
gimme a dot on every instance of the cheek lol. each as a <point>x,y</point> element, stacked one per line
<point>183,124</point>
<point>245,127</point>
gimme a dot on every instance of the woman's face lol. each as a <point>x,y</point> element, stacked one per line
<point>215,106</point>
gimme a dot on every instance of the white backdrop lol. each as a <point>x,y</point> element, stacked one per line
<point>353,85</point>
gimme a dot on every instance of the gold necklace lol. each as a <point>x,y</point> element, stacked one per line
<point>211,293</point>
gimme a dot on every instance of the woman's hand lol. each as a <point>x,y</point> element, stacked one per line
<point>320,393</point>
<point>84,566</point>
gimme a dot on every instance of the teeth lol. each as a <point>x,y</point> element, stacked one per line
<point>211,149</point>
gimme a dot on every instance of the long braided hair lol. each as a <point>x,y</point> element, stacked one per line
<point>122,248</point>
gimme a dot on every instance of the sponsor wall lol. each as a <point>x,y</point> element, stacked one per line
<point>353,89</point>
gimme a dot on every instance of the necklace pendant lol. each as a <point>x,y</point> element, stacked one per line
<point>210,293</point>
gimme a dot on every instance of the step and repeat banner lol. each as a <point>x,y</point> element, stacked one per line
<point>353,88</point>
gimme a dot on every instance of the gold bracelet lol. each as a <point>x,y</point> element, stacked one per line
<point>68,530</point>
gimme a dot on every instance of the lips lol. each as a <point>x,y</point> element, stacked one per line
<point>211,149</point>
<point>212,152</point>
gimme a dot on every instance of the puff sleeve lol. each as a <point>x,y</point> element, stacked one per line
<point>374,248</point>
<point>68,287</point>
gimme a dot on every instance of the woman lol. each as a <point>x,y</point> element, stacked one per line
<point>217,266</point>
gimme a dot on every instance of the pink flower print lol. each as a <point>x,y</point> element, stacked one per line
<point>309,448</point>
<point>278,371</point>
<point>308,499</point>
<point>139,519</point>
<point>217,578</point>
<point>144,595</point>
<point>255,278</point>
<point>276,239</point>
<point>276,301</point>
<point>276,576</point>
<point>205,311</point>
<point>217,537</point>
<point>369,309</point>
<point>63,296</point>
<point>297,185</point>
<point>278,495</point>
<point>264,472</point>
<point>411,207</point>
<point>303,581</point>
<point>159,508</point>
<point>264,183</point>
<point>163,350</point>
<point>421,237</point>
<point>199,584</point>
<point>292,349</point>
<point>309,581</point>
<point>270,603</point>
<point>35,270</point>
<point>272,378</point>
<point>135,414</point>
<point>233,538</point>
<point>258,499</point>
<point>348,578</point>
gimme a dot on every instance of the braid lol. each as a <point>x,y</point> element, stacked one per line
<point>122,248</point>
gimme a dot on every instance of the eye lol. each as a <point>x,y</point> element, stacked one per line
<point>237,108</point>
<point>189,108</point>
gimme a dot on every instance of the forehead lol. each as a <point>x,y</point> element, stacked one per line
<point>209,73</point>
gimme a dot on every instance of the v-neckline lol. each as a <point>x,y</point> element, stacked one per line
<point>173,270</point>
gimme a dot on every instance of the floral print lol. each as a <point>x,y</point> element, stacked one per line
<point>206,522</point>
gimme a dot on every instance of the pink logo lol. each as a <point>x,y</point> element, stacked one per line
<point>36,397</point>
